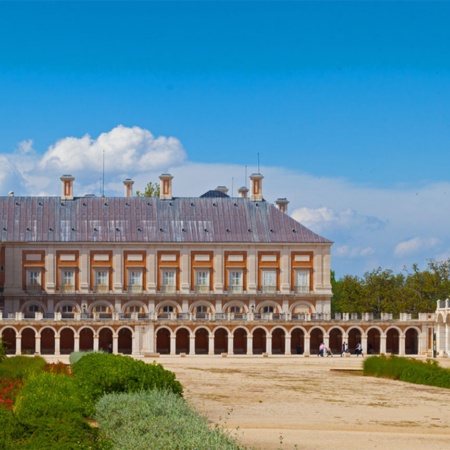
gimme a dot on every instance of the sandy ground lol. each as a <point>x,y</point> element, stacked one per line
<point>313,403</point>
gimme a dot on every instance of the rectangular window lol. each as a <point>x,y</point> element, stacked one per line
<point>168,283</point>
<point>34,281</point>
<point>269,281</point>
<point>135,280</point>
<point>67,281</point>
<point>302,281</point>
<point>202,281</point>
<point>101,281</point>
<point>235,282</point>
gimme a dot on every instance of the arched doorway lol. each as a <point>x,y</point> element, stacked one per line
<point>316,338</point>
<point>354,338</point>
<point>28,345</point>
<point>47,341</point>
<point>86,340</point>
<point>182,341</point>
<point>259,341</point>
<point>240,341</point>
<point>411,342</point>
<point>9,340</point>
<point>220,341</point>
<point>163,341</point>
<point>125,341</point>
<point>335,338</point>
<point>201,341</point>
<point>392,341</point>
<point>297,341</point>
<point>373,341</point>
<point>278,341</point>
<point>105,339</point>
<point>67,341</point>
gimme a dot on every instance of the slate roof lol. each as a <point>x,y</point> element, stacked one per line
<point>140,219</point>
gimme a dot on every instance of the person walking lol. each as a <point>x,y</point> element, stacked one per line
<point>359,350</point>
<point>344,348</point>
<point>322,349</point>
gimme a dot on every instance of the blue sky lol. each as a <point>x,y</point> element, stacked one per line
<point>346,103</point>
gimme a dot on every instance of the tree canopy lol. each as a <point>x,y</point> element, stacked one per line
<point>150,190</point>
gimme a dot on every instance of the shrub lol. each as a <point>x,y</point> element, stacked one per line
<point>76,356</point>
<point>407,369</point>
<point>58,368</point>
<point>9,389</point>
<point>157,420</point>
<point>2,350</point>
<point>21,366</point>
<point>102,373</point>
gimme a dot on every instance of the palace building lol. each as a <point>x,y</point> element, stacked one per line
<point>213,274</point>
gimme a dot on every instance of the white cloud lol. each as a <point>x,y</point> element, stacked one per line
<point>25,147</point>
<point>353,252</point>
<point>415,245</point>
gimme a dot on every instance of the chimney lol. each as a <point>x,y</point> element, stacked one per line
<point>282,204</point>
<point>222,189</point>
<point>243,191</point>
<point>11,193</point>
<point>256,187</point>
<point>128,185</point>
<point>165,186</point>
<point>67,187</point>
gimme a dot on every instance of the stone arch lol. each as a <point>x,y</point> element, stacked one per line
<point>125,336</point>
<point>182,340</point>
<point>60,305</point>
<point>134,303</point>
<point>259,340</point>
<point>235,303</point>
<point>336,339</point>
<point>47,335</point>
<point>159,310</point>
<point>99,303</point>
<point>86,335</point>
<point>28,341</point>
<point>163,335</point>
<point>393,340</point>
<point>278,340</point>
<point>412,341</point>
<point>354,337</point>
<point>302,307</point>
<point>240,341</point>
<point>374,340</point>
<point>316,336</point>
<point>297,340</point>
<point>201,340</point>
<point>220,340</point>
<point>105,339</point>
<point>209,306</point>
<point>9,335</point>
<point>268,303</point>
<point>66,340</point>
<point>28,303</point>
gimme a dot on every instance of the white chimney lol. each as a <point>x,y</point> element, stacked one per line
<point>165,187</point>
<point>243,191</point>
<point>256,187</point>
<point>222,189</point>
<point>67,187</point>
<point>282,204</point>
<point>128,185</point>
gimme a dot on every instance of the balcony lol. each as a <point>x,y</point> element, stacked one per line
<point>168,289</point>
<point>101,289</point>
<point>268,289</point>
<point>67,289</point>
<point>34,288</point>
<point>235,289</point>
<point>302,290</point>
<point>135,289</point>
<point>202,289</point>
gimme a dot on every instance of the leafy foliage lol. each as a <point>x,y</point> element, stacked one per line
<point>406,369</point>
<point>21,366</point>
<point>381,290</point>
<point>159,420</point>
<point>101,373</point>
<point>150,190</point>
<point>2,350</point>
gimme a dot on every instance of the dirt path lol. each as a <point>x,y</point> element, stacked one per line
<point>288,402</point>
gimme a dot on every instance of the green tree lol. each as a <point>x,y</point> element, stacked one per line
<point>347,294</point>
<point>150,190</point>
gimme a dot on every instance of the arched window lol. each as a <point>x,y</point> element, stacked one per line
<point>167,309</point>
<point>268,309</point>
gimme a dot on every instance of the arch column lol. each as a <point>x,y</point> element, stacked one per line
<point>446,339</point>
<point>211,344</point>
<point>115,343</point>
<point>326,341</point>
<point>287,344</point>
<point>173,344</point>
<point>18,344</point>
<point>364,343</point>
<point>57,345</point>
<point>37,344</point>
<point>269,344</point>
<point>76,342</point>
<point>192,344</point>
<point>95,342</point>
<point>401,344</point>
<point>307,350</point>
<point>383,343</point>
<point>249,344</point>
<point>230,343</point>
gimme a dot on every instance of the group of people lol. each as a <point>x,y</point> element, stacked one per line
<point>324,350</point>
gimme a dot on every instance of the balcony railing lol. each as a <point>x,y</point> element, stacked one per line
<point>202,289</point>
<point>34,288</point>
<point>235,289</point>
<point>302,290</point>
<point>101,288</point>
<point>268,289</point>
<point>168,289</point>
<point>68,288</point>
<point>135,289</point>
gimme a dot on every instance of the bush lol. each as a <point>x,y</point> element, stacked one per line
<point>101,373</point>
<point>407,369</point>
<point>76,356</point>
<point>21,366</point>
<point>157,420</point>
<point>2,350</point>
